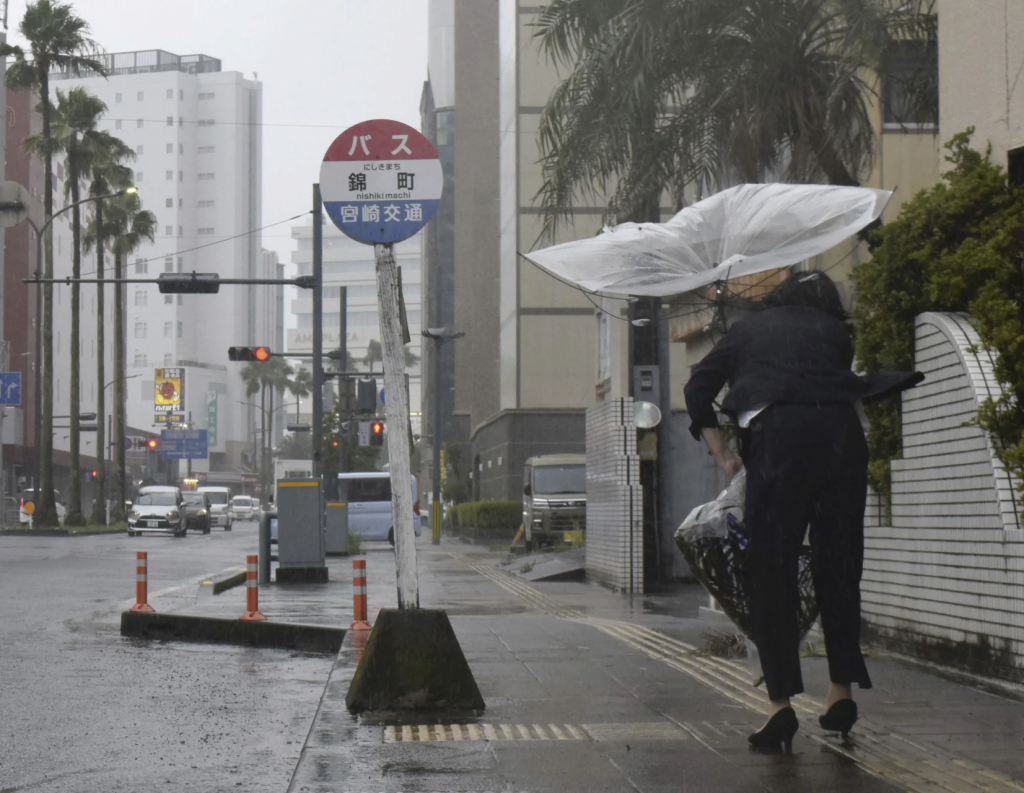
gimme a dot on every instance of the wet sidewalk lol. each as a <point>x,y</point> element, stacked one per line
<point>587,690</point>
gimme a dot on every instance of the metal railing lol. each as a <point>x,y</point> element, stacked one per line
<point>146,61</point>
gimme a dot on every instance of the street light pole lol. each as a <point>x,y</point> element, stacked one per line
<point>439,336</point>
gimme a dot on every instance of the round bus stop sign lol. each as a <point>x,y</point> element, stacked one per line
<point>381,181</point>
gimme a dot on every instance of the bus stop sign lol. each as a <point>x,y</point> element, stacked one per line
<point>381,181</point>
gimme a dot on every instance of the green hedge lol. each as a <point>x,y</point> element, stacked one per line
<point>486,516</point>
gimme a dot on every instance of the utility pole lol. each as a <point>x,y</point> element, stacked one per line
<point>439,336</point>
<point>318,330</point>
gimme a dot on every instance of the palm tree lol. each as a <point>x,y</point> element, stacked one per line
<point>375,353</point>
<point>267,378</point>
<point>661,94</point>
<point>74,131</point>
<point>127,227</point>
<point>301,386</point>
<point>108,174</point>
<point>58,39</point>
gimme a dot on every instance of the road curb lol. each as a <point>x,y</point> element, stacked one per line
<point>212,630</point>
<point>222,583</point>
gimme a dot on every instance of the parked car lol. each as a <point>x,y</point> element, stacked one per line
<point>158,509</point>
<point>220,505</point>
<point>554,498</point>
<point>197,511</point>
<point>244,508</point>
<point>29,494</point>
<point>369,505</point>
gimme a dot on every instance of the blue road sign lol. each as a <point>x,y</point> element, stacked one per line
<point>10,388</point>
<point>382,397</point>
<point>381,181</point>
<point>183,444</point>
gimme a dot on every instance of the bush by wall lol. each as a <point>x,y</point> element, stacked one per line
<point>957,246</point>
<point>497,517</point>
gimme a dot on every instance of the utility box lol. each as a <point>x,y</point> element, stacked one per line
<point>337,527</point>
<point>647,384</point>
<point>300,534</point>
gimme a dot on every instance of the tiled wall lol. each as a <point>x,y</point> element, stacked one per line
<point>946,580</point>
<point>614,498</point>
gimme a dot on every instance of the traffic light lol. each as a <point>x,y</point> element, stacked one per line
<point>152,444</point>
<point>260,354</point>
<point>377,433</point>
<point>366,395</point>
<point>188,283</point>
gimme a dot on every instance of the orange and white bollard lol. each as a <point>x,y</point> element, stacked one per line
<point>252,592</point>
<point>359,621</point>
<point>141,583</point>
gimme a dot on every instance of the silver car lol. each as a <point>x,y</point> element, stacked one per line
<point>158,510</point>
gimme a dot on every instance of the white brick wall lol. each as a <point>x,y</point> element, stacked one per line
<point>614,497</point>
<point>950,570</point>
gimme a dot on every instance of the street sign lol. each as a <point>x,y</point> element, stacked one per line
<point>211,417</point>
<point>381,181</point>
<point>10,388</point>
<point>382,400</point>
<point>183,444</point>
<point>168,418</point>
<point>364,433</point>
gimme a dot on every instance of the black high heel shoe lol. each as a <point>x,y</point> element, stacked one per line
<point>780,729</point>
<point>840,717</point>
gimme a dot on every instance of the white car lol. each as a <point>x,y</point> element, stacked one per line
<point>220,504</point>
<point>158,510</point>
<point>244,508</point>
<point>28,495</point>
<point>369,505</point>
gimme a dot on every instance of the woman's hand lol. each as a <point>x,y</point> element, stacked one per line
<point>726,458</point>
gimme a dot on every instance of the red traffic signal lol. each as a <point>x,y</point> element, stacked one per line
<point>152,443</point>
<point>260,354</point>
<point>377,433</point>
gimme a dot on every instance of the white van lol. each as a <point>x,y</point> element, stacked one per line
<point>220,505</point>
<point>369,505</point>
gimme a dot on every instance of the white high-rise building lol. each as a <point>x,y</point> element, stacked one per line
<point>351,264</point>
<point>196,131</point>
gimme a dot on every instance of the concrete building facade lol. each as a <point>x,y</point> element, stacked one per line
<point>196,131</point>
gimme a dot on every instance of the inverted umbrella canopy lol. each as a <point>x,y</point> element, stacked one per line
<point>739,231</point>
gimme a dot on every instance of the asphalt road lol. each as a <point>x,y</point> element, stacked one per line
<point>83,709</point>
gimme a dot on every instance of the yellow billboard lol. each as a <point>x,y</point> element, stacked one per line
<point>169,391</point>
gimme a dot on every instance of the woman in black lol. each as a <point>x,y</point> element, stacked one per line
<point>792,392</point>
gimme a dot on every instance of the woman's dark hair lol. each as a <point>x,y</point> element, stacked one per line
<point>811,289</point>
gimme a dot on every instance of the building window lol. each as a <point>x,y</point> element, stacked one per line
<point>181,231</point>
<point>170,121</point>
<point>181,176</point>
<point>170,148</point>
<point>181,148</point>
<point>205,177</point>
<point>169,203</point>
<point>181,121</point>
<point>206,122</point>
<point>117,122</point>
<point>181,94</point>
<point>179,300</point>
<point>205,204</point>
<point>138,123</point>
<point>207,149</point>
<point>209,95</point>
<point>207,230</point>
<point>140,360</point>
<point>168,231</point>
<point>181,263</point>
<point>170,93</point>
<point>910,94</point>
<point>140,330</point>
<point>168,265</point>
<point>139,149</point>
<point>169,175</point>
<point>141,266</point>
<point>168,359</point>
<point>117,97</point>
<point>140,297</point>
<point>181,203</point>
<point>168,330</point>
<point>179,328</point>
<point>141,96</point>
<point>168,300</point>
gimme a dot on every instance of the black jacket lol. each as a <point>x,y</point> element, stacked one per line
<point>789,354</point>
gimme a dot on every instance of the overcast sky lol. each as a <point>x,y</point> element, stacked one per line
<point>324,65</point>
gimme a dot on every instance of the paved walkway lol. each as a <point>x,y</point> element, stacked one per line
<point>587,690</point>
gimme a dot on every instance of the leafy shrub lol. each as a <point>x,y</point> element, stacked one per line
<point>487,515</point>
<point>956,246</point>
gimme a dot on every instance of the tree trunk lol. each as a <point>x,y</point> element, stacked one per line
<point>118,513</point>
<point>46,514</point>
<point>99,507</point>
<point>830,162</point>
<point>74,515</point>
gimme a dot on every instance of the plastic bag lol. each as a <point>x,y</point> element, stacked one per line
<point>713,540</point>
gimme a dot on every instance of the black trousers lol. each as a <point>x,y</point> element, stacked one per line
<point>806,467</point>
